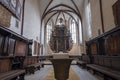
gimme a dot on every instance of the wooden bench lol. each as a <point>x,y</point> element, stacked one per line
<point>31,64</point>
<point>108,66</point>
<point>13,75</point>
<point>107,72</point>
<point>9,70</point>
<point>83,61</point>
<point>33,67</point>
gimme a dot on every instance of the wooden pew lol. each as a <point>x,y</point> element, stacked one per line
<point>6,71</point>
<point>13,75</point>
<point>108,66</point>
<point>31,64</point>
<point>85,59</point>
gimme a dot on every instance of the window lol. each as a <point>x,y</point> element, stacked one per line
<point>73,30</point>
<point>49,31</point>
<point>88,14</point>
<point>80,32</point>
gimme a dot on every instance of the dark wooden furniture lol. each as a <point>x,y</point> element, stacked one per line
<point>31,68</point>
<point>11,69</point>
<point>13,44</point>
<point>31,64</point>
<point>104,51</point>
<point>105,44</point>
<point>13,75</point>
<point>13,49</point>
<point>61,68</point>
<point>61,40</point>
<point>85,59</point>
<point>109,66</point>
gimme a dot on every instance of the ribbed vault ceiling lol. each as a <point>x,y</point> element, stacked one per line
<point>54,9</point>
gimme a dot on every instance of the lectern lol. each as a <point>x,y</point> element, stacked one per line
<point>61,67</point>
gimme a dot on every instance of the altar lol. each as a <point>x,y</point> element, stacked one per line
<point>61,64</point>
<point>60,39</point>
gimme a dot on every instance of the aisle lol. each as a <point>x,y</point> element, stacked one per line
<point>40,75</point>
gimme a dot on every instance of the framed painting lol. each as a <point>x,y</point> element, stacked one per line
<point>5,3</point>
<point>13,6</point>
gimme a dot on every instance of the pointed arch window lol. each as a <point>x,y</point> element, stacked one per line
<point>88,9</point>
<point>80,32</point>
<point>73,30</point>
<point>48,31</point>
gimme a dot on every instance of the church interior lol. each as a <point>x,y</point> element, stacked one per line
<point>59,39</point>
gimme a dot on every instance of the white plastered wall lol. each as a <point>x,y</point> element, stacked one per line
<point>96,17</point>
<point>32,21</point>
<point>108,17</point>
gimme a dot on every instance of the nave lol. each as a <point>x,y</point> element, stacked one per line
<point>83,74</point>
<point>33,31</point>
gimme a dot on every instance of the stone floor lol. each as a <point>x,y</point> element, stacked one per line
<point>82,73</point>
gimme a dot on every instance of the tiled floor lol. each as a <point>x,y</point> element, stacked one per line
<point>40,75</point>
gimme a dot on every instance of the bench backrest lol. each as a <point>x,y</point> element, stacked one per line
<point>112,62</point>
<point>86,58</point>
<point>115,63</point>
<point>101,60</point>
<point>30,60</point>
<point>107,61</point>
<point>5,65</point>
<point>96,60</point>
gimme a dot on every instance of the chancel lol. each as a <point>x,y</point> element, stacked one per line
<point>59,40</point>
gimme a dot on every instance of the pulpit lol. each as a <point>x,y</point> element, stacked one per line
<point>61,67</point>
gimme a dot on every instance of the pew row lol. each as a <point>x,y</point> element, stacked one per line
<point>31,64</point>
<point>13,75</point>
<point>84,59</point>
<point>8,70</point>
<point>108,66</point>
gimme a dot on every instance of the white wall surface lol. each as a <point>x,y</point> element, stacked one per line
<point>96,17</point>
<point>108,14</point>
<point>108,18</point>
<point>32,20</point>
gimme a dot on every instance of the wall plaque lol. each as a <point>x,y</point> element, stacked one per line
<point>5,17</point>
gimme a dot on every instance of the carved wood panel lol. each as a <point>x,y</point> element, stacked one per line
<point>60,39</point>
<point>113,47</point>
<point>93,48</point>
<point>20,48</point>
<point>1,44</point>
<point>11,46</point>
<point>4,65</point>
